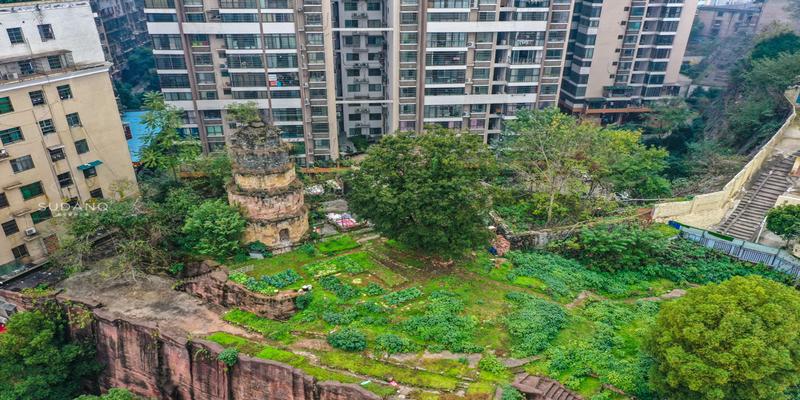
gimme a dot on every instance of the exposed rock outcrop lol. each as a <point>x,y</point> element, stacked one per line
<point>216,288</point>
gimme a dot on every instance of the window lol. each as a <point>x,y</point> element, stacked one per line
<point>15,35</point>
<point>5,105</point>
<point>10,227</point>
<point>46,32</point>
<point>41,215</point>
<point>21,164</point>
<point>55,62</point>
<point>3,200</point>
<point>47,126</point>
<point>57,154</point>
<point>19,251</point>
<point>214,130</point>
<point>73,120</point>
<point>98,193</point>
<point>31,190</point>
<point>12,135</point>
<point>37,97</point>
<point>81,146</point>
<point>64,92</point>
<point>90,172</point>
<point>64,179</point>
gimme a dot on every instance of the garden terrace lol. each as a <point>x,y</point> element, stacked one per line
<point>426,324</point>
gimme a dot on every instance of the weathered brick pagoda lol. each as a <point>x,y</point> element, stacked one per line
<point>265,185</point>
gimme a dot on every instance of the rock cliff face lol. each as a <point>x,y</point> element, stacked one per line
<point>157,362</point>
<point>215,288</point>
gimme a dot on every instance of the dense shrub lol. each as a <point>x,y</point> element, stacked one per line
<point>341,290</point>
<point>373,289</point>
<point>340,318</point>
<point>443,325</point>
<point>229,356</point>
<point>490,363</point>
<point>348,339</point>
<point>533,324</point>
<point>393,344</point>
<point>511,393</point>
<point>616,247</point>
<point>402,296</point>
<point>304,300</point>
<point>282,279</point>
<point>214,229</point>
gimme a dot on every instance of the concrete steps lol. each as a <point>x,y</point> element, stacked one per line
<point>771,182</point>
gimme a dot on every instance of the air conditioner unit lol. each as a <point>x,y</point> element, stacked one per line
<point>30,231</point>
<point>466,114</point>
<point>300,9</point>
<point>470,44</point>
<point>3,154</point>
<point>223,66</point>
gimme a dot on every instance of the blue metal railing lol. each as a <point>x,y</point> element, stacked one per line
<point>778,259</point>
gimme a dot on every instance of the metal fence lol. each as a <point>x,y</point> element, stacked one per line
<point>778,259</point>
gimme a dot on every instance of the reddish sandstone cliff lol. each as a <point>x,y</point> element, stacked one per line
<point>157,362</point>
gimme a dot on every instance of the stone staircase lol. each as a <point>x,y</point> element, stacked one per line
<point>771,182</point>
<point>540,388</point>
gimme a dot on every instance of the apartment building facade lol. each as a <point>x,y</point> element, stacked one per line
<point>625,54</point>
<point>123,29</point>
<point>61,138</point>
<point>330,72</point>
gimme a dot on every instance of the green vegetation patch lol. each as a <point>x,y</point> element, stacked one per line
<point>533,324</point>
<point>354,263</point>
<point>274,330</point>
<point>363,365</point>
<point>337,244</point>
<point>275,354</point>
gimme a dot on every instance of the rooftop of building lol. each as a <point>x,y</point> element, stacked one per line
<point>5,4</point>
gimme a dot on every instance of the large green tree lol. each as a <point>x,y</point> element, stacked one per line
<point>426,190</point>
<point>38,361</point>
<point>164,148</point>
<point>554,153</point>
<point>739,339</point>
<point>214,229</point>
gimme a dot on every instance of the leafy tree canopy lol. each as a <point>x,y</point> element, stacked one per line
<point>113,394</point>
<point>784,221</point>
<point>739,339</point>
<point>244,113</point>
<point>426,190</point>
<point>214,229</point>
<point>784,42</point>
<point>555,153</point>
<point>164,148</point>
<point>38,362</point>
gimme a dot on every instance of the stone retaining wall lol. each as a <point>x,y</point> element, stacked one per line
<point>216,288</point>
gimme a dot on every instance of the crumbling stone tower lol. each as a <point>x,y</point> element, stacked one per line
<point>265,185</point>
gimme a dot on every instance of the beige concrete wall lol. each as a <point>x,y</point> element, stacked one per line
<point>93,100</point>
<point>707,210</point>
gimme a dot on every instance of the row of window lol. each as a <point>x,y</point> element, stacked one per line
<point>24,163</point>
<point>14,135</point>
<point>37,98</point>
<point>15,35</point>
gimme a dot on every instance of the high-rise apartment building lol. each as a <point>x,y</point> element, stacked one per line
<point>327,72</point>
<point>122,28</point>
<point>625,54</point>
<point>61,138</point>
